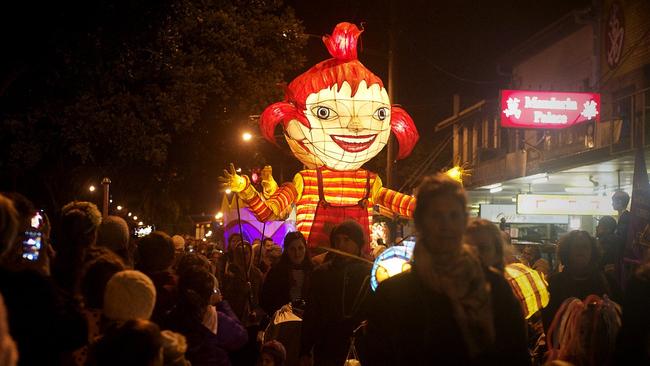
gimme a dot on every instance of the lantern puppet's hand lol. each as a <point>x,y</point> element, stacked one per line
<point>268,183</point>
<point>232,180</point>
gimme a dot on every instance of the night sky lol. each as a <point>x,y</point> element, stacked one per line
<point>464,38</point>
<point>442,48</point>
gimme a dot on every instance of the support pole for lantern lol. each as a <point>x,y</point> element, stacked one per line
<point>106,182</point>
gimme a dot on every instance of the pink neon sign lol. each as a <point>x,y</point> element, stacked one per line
<point>539,109</point>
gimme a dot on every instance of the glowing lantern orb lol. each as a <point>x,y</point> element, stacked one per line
<point>391,262</point>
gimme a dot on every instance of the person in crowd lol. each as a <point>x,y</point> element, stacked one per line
<point>136,342</point>
<point>93,284</point>
<point>189,260</point>
<point>179,248</point>
<point>13,258</point>
<point>174,348</point>
<point>620,201</point>
<point>210,334</point>
<point>242,283</point>
<point>129,295</point>
<point>633,344</point>
<point>486,238</point>
<point>581,277</point>
<point>45,323</point>
<point>156,255</point>
<point>532,257</point>
<point>337,302</point>
<point>8,349</point>
<point>609,244</point>
<point>272,354</point>
<point>272,252</point>
<point>8,224</point>
<point>241,287</point>
<point>445,310</point>
<point>287,280</point>
<point>78,234</point>
<point>113,234</point>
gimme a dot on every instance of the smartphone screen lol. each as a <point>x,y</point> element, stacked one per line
<point>33,240</point>
<point>32,245</point>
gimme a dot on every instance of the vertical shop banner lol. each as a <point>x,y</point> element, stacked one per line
<point>638,234</point>
<point>540,109</point>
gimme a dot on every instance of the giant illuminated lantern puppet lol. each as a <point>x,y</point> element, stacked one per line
<point>336,117</point>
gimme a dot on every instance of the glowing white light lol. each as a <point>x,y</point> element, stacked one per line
<point>91,188</point>
<point>208,234</point>
<point>129,214</point>
<point>246,136</point>
<point>228,191</point>
<point>540,180</point>
<point>119,208</point>
<point>110,201</point>
<point>140,223</point>
<point>496,189</point>
<point>579,190</point>
<point>218,216</point>
<point>135,218</point>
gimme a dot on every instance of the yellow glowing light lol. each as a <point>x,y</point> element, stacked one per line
<point>455,173</point>
<point>91,188</point>
<point>129,214</point>
<point>119,208</point>
<point>140,223</point>
<point>228,191</point>
<point>218,216</point>
<point>246,136</point>
<point>135,217</point>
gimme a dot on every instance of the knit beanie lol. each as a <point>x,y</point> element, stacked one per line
<point>352,229</point>
<point>113,234</point>
<point>276,350</point>
<point>129,295</point>
<point>179,243</point>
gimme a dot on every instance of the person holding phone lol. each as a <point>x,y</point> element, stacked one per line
<point>45,324</point>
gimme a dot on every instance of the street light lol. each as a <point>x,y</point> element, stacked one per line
<point>246,136</point>
<point>91,188</point>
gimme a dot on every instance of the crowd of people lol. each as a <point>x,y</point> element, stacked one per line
<point>97,296</point>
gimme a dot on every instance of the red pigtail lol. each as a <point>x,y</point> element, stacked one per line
<point>342,44</point>
<point>404,129</point>
<point>281,112</point>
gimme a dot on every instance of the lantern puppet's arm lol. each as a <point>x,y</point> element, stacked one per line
<point>274,207</point>
<point>399,203</point>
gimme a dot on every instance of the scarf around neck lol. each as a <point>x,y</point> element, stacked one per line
<point>460,277</point>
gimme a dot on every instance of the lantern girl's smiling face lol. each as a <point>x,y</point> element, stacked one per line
<point>346,128</point>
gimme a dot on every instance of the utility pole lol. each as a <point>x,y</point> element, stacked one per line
<point>390,153</point>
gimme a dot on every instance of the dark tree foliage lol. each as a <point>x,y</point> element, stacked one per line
<point>143,92</point>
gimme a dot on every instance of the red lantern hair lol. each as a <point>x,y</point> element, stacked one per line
<point>343,67</point>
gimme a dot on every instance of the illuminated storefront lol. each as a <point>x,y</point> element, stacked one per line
<point>548,153</point>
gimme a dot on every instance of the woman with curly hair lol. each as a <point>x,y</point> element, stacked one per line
<point>581,277</point>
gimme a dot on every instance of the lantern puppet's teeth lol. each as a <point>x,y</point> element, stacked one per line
<point>354,143</point>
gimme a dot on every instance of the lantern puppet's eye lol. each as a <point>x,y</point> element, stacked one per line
<point>381,114</point>
<point>324,113</point>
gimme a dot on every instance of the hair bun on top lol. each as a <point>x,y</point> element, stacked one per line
<point>342,44</point>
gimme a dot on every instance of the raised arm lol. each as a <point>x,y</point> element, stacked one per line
<point>273,208</point>
<point>398,203</point>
